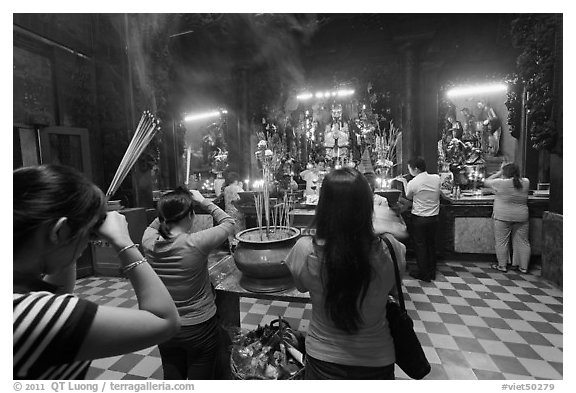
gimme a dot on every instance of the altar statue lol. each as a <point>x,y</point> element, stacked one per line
<point>491,127</point>
<point>469,134</point>
<point>455,127</point>
<point>336,136</point>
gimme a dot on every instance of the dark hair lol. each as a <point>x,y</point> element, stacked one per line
<point>173,207</point>
<point>47,192</point>
<point>417,163</point>
<point>344,221</point>
<point>511,170</point>
<point>231,177</point>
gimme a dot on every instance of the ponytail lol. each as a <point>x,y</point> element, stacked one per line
<point>512,171</point>
<point>173,207</point>
<point>164,231</point>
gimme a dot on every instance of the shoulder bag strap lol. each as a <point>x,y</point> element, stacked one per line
<point>396,272</point>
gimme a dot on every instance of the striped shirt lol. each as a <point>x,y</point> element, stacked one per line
<point>48,330</point>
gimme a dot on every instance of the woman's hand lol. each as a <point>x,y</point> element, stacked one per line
<point>197,196</point>
<point>114,230</point>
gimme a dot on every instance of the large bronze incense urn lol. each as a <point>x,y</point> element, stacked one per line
<point>259,255</point>
<point>261,251</point>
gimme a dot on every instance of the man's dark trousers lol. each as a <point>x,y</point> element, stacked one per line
<point>424,237</point>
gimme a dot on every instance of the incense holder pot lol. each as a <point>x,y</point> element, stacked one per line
<point>259,256</point>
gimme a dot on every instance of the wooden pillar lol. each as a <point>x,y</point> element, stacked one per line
<point>520,153</point>
<point>170,157</point>
<point>410,142</point>
<point>427,130</point>
<point>239,125</point>
<point>419,136</point>
<point>556,160</point>
<point>544,166</point>
<point>531,156</point>
<point>141,176</point>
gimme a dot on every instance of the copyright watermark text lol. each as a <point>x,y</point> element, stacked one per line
<point>100,386</point>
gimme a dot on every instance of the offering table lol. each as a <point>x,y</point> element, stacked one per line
<point>466,225</point>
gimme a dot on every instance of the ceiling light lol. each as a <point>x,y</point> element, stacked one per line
<point>201,116</point>
<point>477,89</point>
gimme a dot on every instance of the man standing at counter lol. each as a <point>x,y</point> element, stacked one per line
<point>424,191</point>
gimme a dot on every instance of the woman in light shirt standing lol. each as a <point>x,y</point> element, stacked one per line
<point>349,273</point>
<point>511,217</point>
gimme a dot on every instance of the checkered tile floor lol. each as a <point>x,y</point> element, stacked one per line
<point>473,322</point>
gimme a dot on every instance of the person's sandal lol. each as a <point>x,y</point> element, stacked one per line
<point>497,267</point>
<point>523,271</point>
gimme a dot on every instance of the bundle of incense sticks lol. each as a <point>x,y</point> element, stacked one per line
<point>285,212</point>
<point>147,128</point>
<point>267,200</point>
<point>258,202</point>
<point>281,216</point>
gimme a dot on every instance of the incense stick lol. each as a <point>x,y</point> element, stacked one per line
<point>267,202</point>
<point>274,216</point>
<point>145,131</point>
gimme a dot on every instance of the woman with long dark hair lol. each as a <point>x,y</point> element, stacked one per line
<point>511,217</point>
<point>180,257</point>
<point>349,273</point>
<point>56,334</point>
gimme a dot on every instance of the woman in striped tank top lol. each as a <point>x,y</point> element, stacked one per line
<point>56,334</point>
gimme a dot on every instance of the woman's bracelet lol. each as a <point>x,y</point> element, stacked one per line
<point>131,266</point>
<point>127,247</point>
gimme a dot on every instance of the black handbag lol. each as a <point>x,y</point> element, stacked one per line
<point>410,356</point>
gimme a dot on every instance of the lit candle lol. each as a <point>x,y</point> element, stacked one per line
<point>258,185</point>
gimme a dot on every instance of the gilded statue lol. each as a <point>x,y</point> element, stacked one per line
<point>489,125</point>
<point>336,136</point>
